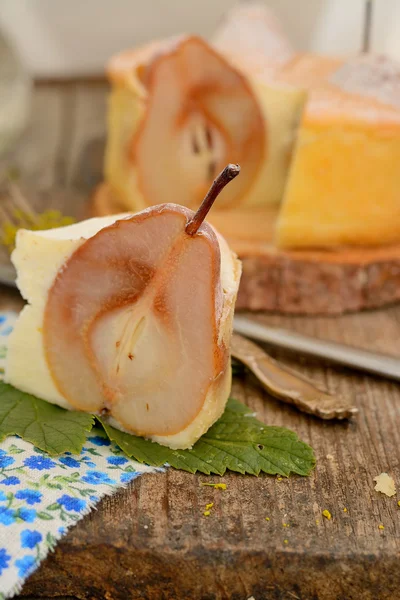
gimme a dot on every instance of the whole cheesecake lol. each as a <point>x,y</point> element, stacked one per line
<point>316,215</point>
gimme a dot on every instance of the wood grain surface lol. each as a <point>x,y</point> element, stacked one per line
<point>151,541</point>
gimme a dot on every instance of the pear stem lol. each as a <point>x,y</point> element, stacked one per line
<point>230,172</point>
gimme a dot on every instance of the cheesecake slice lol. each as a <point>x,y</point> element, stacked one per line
<point>183,105</point>
<point>343,187</point>
<point>128,317</point>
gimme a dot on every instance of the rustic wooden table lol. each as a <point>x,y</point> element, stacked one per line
<point>151,541</point>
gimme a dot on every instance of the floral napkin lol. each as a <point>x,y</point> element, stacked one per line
<point>41,497</point>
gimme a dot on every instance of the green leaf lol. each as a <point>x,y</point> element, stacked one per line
<point>44,516</point>
<point>51,540</point>
<point>93,452</point>
<point>67,479</point>
<point>86,492</point>
<point>48,426</point>
<point>13,449</point>
<point>237,441</point>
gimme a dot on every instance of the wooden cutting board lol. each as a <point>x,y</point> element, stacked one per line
<point>151,541</point>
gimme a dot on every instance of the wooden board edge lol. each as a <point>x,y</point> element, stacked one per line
<point>105,571</point>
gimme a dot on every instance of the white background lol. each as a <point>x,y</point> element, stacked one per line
<point>69,37</point>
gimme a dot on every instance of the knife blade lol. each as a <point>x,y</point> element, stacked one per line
<point>356,358</point>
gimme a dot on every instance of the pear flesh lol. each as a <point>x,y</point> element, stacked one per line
<point>189,111</point>
<point>191,107</point>
<point>129,317</point>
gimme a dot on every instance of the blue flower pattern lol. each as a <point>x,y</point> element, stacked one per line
<point>41,497</point>
<point>4,559</point>
<point>31,496</point>
<point>97,478</point>
<point>127,477</point>
<point>30,538</point>
<point>7,516</point>
<point>10,481</point>
<point>68,461</point>
<point>99,440</point>
<point>5,461</point>
<point>41,463</point>
<point>27,514</point>
<point>71,503</point>
<point>117,460</point>
<point>25,565</point>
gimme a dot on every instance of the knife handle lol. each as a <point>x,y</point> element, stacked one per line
<point>285,384</point>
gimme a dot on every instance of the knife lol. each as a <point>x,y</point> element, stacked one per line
<point>356,358</point>
<point>289,386</point>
